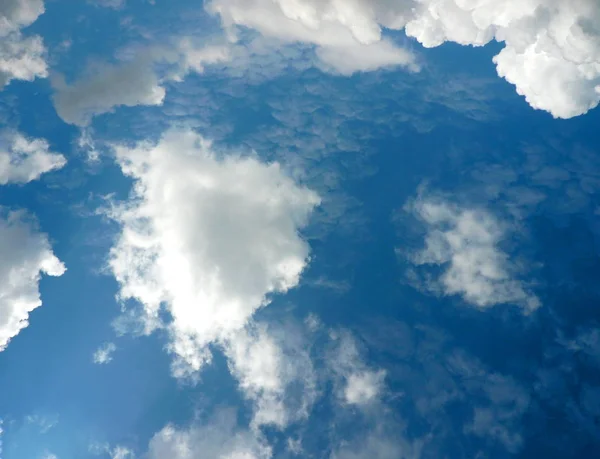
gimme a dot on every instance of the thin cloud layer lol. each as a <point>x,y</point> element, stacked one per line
<point>21,58</point>
<point>465,243</point>
<point>358,384</point>
<point>23,160</point>
<point>551,53</point>
<point>104,354</point>
<point>221,438</point>
<point>26,255</point>
<point>206,238</point>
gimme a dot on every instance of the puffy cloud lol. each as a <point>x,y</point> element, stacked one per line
<point>104,353</point>
<point>26,254</point>
<point>220,439</point>
<point>274,371</point>
<point>15,14</point>
<point>21,58</point>
<point>23,160</point>
<point>207,237</point>
<point>346,33</point>
<point>467,243</point>
<point>551,53</point>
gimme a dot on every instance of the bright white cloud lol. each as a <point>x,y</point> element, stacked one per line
<point>551,53</point>
<point>466,242</point>
<point>220,439</point>
<point>104,354</point>
<point>207,237</point>
<point>21,58</point>
<point>275,372</point>
<point>346,34</point>
<point>26,255</point>
<point>23,160</point>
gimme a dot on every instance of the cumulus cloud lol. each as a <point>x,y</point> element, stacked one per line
<point>221,438</point>
<point>346,36</point>
<point>26,255</point>
<point>104,353</point>
<point>275,372</point>
<point>551,53</point>
<point>23,160</point>
<point>21,58</point>
<point>466,243</point>
<point>205,237</point>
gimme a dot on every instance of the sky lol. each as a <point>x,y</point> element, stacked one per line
<point>337,229</point>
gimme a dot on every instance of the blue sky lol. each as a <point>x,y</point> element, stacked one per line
<point>321,229</point>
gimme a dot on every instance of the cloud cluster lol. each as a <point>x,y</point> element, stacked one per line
<point>206,238</point>
<point>21,58</point>
<point>26,255</point>
<point>551,53</point>
<point>466,243</point>
<point>23,160</point>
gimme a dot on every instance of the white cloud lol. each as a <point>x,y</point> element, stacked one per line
<point>26,254</point>
<point>121,452</point>
<point>23,160</point>
<point>274,371</point>
<point>207,237</point>
<point>466,243</point>
<point>358,384</point>
<point>21,58</point>
<point>347,37</point>
<point>220,439</point>
<point>364,387</point>
<point>104,353</point>
<point>551,53</point>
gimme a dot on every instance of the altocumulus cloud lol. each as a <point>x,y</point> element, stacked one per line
<point>551,53</point>
<point>206,238</point>
<point>466,243</point>
<point>21,58</point>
